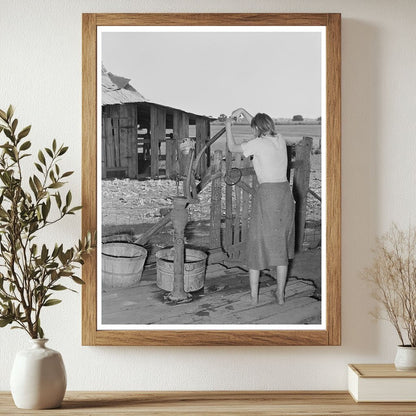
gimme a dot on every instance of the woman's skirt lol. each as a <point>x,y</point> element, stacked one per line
<point>271,240</point>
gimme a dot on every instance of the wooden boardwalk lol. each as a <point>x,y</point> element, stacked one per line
<point>224,300</point>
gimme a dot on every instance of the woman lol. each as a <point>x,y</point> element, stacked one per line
<point>271,237</point>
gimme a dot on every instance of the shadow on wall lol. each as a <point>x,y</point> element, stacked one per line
<point>361,82</point>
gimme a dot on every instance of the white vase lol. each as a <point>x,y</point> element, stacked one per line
<point>38,377</point>
<point>405,358</point>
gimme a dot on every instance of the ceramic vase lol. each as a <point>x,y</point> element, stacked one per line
<point>405,358</point>
<point>38,377</point>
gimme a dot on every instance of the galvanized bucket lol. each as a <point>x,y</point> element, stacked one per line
<point>194,269</point>
<point>122,264</point>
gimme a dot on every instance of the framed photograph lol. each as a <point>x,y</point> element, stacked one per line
<point>211,172</point>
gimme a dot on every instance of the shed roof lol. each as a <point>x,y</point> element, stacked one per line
<point>117,90</point>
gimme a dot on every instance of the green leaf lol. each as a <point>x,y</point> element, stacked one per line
<point>8,133</point>
<point>56,185</point>
<point>24,132</point>
<point>10,112</point>
<point>3,115</point>
<point>58,199</point>
<point>49,152</point>
<point>63,151</point>
<point>14,125</point>
<point>5,321</point>
<point>67,174</point>
<point>54,145</point>
<point>51,302</point>
<point>68,198</point>
<point>59,287</point>
<point>44,253</point>
<point>41,157</point>
<point>25,145</point>
<point>45,211</point>
<point>40,331</point>
<point>37,182</point>
<point>39,167</point>
<point>78,280</point>
<point>77,208</point>
<point>33,187</point>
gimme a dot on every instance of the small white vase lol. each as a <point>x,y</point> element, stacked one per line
<point>38,377</point>
<point>405,358</point>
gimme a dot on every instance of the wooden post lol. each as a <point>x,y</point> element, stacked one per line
<point>237,216</point>
<point>123,149</point>
<point>228,205</point>
<point>104,133</point>
<point>154,143</point>
<point>246,203</point>
<point>179,217</point>
<point>170,158</point>
<point>215,227</point>
<point>202,136</point>
<point>180,131</point>
<point>301,186</point>
<point>128,140</point>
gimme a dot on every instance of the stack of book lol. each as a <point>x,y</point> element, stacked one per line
<point>381,383</point>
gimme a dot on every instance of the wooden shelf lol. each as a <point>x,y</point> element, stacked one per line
<point>212,403</point>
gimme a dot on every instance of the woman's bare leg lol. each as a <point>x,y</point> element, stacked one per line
<point>254,285</point>
<point>281,284</point>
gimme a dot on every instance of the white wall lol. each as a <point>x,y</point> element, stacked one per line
<point>40,73</point>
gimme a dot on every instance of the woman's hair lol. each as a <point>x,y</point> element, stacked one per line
<point>263,124</point>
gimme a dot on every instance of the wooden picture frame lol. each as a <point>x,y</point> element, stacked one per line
<point>331,335</point>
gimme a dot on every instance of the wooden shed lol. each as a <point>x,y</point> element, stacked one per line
<point>141,138</point>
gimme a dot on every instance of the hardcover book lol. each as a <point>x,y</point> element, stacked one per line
<point>381,383</point>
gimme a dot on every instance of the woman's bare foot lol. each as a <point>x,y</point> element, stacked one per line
<point>247,298</point>
<point>280,297</point>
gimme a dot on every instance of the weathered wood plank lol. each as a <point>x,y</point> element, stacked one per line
<point>154,142</point>
<point>228,235</point>
<point>216,211</point>
<point>301,186</point>
<point>227,403</point>
<point>237,205</point>
<point>103,149</point>
<point>246,203</point>
<point>224,300</point>
<point>109,126</point>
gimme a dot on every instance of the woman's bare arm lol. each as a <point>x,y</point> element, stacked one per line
<point>244,112</point>
<point>232,145</point>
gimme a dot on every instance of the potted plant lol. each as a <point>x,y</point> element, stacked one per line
<point>32,272</point>
<point>393,277</point>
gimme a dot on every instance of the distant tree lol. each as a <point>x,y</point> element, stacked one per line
<point>297,117</point>
<point>319,119</point>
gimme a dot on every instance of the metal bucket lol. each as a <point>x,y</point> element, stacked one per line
<point>194,269</point>
<point>122,264</point>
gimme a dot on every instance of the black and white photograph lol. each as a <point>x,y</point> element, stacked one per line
<point>211,208</point>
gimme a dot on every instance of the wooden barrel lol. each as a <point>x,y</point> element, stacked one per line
<point>194,269</point>
<point>122,264</point>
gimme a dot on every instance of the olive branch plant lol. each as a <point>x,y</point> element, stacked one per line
<point>393,278</point>
<point>30,273</point>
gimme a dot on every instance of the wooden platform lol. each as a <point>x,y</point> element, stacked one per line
<point>180,403</point>
<point>224,300</point>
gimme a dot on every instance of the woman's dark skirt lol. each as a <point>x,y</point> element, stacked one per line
<point>271,240</point>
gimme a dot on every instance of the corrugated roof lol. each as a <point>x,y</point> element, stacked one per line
<point>117,90</point>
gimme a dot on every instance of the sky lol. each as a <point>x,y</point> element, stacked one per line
<point>277,73</point>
